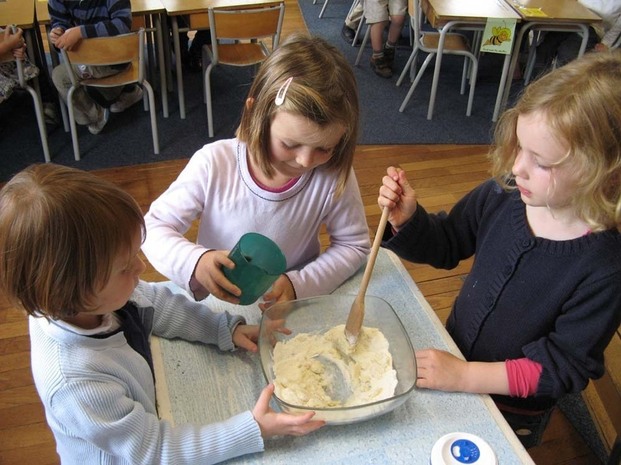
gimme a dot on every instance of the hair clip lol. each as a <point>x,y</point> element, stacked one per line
<point>282,92</point>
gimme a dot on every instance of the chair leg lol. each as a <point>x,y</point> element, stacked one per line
<point>408,66</point>
<point>363,45</point>
<point>421,71</point>
<point>464,76</point>
<point>72,125</point>
<point>208,96</point>
<point>154,133</point>
<point>40,121</point>
<point>357,34</point>
<point>63,112</point>
<point>323,8</point>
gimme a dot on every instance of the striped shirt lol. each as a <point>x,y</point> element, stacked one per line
<point>96,18</point>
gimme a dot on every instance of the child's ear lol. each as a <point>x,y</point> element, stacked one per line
<point>249,103</point>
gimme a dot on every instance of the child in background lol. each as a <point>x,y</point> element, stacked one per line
<point>69,245</point>
<point>14,45</point>
<point>288,172</point>
<point>379,14</point>
<point>70,22</point>
<point>543,298</point>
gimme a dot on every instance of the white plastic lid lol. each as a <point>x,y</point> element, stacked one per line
<point>462,448</point>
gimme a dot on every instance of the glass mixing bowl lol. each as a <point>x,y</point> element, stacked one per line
<point>319,314</point>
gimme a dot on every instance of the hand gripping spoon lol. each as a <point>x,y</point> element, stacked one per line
<point>356,313</point>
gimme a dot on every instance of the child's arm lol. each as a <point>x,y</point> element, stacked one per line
<point>119,22</point>
<point>438,369</point>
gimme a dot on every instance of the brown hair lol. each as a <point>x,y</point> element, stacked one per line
<point>581,103</point>
<point>60,231</point>
<point>323,89</point>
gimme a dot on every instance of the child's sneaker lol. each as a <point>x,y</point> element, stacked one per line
<point>96,127</point>
<point>381,67</point>
<point>126,100</point>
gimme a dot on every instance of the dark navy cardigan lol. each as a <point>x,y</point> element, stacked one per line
<point>556,302</point>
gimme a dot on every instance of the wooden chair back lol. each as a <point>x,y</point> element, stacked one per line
<point>115,50</point>
<point>259,21</point>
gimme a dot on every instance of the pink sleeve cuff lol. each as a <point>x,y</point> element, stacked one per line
<point>523,376</point>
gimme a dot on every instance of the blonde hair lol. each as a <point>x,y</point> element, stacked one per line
<point>60,232</point>
<point>323,89</point>
<point>581,103</point>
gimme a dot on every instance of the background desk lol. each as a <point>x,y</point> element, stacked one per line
<point>560,15</point>
<point>447,14</point>
<point>199,384</point>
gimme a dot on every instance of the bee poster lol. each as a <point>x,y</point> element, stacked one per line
<point>498,36</point>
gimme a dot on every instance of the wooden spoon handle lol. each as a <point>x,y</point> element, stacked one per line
<point>377,242</point>
<point>356,313</point>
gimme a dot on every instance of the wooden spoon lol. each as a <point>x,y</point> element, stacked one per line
<point>356,313</point>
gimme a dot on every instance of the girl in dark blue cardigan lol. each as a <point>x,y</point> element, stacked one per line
<point>543,298</point>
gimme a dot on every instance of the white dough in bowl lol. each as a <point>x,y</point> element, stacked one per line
<point>301,377</point>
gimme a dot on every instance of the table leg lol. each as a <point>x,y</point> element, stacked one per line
<point>179,67</point>
<point>162,61</point>
<point>436,71</point>
<point>503,79</point>
<point>167,52</point>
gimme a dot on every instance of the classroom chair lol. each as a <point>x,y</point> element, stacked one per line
<point>237,39</point>
<point>101,51</point>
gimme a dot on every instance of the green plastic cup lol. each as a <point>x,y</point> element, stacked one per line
<point>258,263</point>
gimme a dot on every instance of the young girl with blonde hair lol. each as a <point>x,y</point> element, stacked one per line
<point>543,298</point>
<point>287,174</point>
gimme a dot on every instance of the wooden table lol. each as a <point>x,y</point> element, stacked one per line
<point>558,15</point>
<point>199,384</point>
<point>176,8</point>
<point>447,14</point>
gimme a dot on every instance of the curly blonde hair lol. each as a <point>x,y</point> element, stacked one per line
<point>581,103</point>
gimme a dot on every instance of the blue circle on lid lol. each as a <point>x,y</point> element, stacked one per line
<point>465,451</point>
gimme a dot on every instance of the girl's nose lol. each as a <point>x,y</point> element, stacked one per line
<point>518,165</point>
<point>304,158</point>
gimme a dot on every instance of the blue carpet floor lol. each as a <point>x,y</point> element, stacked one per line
<point>380,98</point>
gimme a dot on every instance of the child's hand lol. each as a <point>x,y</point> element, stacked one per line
<point>397,194</point>
<point>69,38</point>
<point>600,47</point>
<point>246,336</point>
<point>274,424</point>
<point>14,42</point>
<point>437,369</point>
<point>281,291</point>
<point>209,274</point>
<point>55,35</point>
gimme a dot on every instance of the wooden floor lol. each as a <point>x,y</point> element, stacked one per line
<point>441,175</point>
